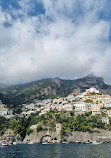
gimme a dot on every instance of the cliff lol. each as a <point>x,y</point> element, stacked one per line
<point>45,136</point>
<point>72,137</point>
<point>101,136</point>
<point>54,136</point>
<point>10,136</point>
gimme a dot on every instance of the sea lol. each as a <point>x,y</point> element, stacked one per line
<point>70,150</point>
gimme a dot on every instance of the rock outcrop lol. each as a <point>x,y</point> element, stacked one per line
<point>10,136</point>
<point>42,137</point>
<point>45,136</point>
<point>54,137</point>
<point>101,135</point>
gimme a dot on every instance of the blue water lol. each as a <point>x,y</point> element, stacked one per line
<point>71,150</point>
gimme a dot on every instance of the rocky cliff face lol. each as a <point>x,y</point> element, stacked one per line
<point>101,136</point>
<point>54,137</point>
<point>42,137</point>
<point>10,136</point>
<point>45,136</point>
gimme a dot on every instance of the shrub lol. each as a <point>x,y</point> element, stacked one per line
<point>62,133</point>
<point>85,128</point>
<point>39,128</point>
<point>88,113</point>
<point>29,131</point>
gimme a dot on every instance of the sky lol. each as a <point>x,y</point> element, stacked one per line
<point>54,38</point>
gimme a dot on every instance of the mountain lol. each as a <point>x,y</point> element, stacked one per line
<point>50,88</point>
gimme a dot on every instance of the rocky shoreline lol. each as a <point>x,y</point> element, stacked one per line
<point>71,137</point>
<point>54,137</point>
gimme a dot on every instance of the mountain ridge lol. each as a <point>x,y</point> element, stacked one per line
<point>50,88</point>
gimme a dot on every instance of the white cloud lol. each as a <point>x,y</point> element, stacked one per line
<point>69,41</point>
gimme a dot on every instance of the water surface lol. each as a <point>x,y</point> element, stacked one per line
<point>71,150</point>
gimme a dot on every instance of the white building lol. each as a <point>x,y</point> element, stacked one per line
<point>107,105</point>
<point>3,112</point>
<point>9,116</point>
<point>92,90</point>
<point>109,113</point>
<point>67,107</point>
<point>79,107</point>
<point>105,120</point>
<point>70,98</point>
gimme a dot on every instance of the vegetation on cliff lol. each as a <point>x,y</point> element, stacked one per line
<point>3,125</point>
<point>70,122</point>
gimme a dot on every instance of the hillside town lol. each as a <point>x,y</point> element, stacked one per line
<point>89,101</point>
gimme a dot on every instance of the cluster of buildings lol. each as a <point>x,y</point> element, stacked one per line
<point>4,111</point>
<point>44,106</point>
<point>90,100</point>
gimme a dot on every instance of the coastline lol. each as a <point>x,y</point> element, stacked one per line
<point>99,135</point>
<point>71,137</point>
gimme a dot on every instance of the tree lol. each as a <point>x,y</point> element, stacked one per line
<point>39,128</point>
<point>29,131</point>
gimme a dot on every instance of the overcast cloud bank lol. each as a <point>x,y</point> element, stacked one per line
<point>66,39</point>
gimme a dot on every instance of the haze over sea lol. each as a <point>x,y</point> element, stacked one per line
<point>71,150</point>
